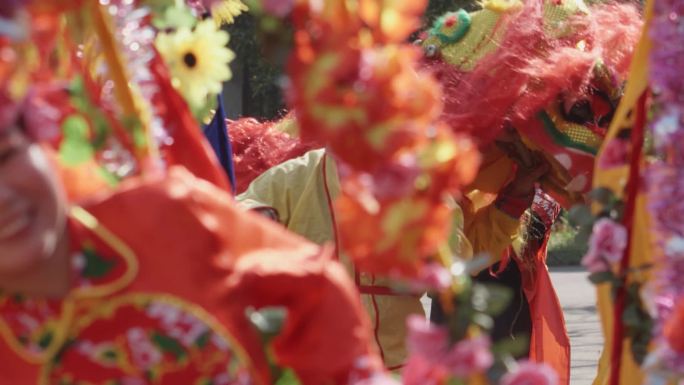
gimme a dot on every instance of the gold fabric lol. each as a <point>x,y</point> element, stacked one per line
<point>642,251</point>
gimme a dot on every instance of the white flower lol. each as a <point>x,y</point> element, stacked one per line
<point>198,60</point>
<point>675,247</point>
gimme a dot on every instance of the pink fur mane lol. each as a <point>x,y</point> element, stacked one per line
<point>258,146</point>
<point>530,69</point>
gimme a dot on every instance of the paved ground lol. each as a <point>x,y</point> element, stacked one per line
<point>577,296</point>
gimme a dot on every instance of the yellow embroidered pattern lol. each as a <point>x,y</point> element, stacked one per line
<point>480,40</point>
<point>575,132</point>
<point>52,328</point>
<point>488,26</point>
<point>117,245</point>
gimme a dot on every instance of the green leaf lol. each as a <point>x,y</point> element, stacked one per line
<point>617,211</point>
<point>483,320</point>
<point>175,18</point>
<point>75,152</point>
<point>458,322</point>
<point>77,88</point>
<point>631,317</point>
<point>583,235</point>
<point>157,6</point>
<point>490,299</point>
<point>580,215</point>
<point>288,377</point>
<point>139,139</point>
<point>95,265</point>
<point>19,298</point>
<point>455,381</point>
<point>75,127</point>
<point>202,111</point>
<point>108,177</point>
<point>101,130</point>
<point>511,346</point>
<point>639,352</point>
<point>110,355</point>
<point>254,6</point>
<point>270,24</point>
<point>59,356</point>
<point>602,195</point>
<point>46,339</point>
<point>149,375</point>
<point>602,277</point>
<point>633,293</point>
<point>268,321</point>
<point>134,126</point>
<point>169,345</point>
<point>203,340</point>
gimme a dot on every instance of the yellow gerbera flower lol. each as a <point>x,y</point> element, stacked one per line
<point>198,60</point>
<point>226,11</point>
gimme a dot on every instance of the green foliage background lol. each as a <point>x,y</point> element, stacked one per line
<point>261,95</point>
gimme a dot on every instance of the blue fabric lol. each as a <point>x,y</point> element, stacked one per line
<point>217,134</point>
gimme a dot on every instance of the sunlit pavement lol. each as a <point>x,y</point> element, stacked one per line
<point>578,298</point>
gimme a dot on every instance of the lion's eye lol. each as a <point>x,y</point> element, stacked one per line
<point>596,109</point>
<point>580,112</point>
<point>431,51</point>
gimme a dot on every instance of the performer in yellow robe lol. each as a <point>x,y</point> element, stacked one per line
<point>300,193</point>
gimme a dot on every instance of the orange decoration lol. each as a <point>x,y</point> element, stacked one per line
<point>358,89</point>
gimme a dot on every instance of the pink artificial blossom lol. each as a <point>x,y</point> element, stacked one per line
<point>469,356</point>
<point>594,263</point>
<point>366,371</point>
<point>424,338</point>
<point>666,177</point>
<point>45,110</point>
<point>432,277</point>
<point>145,354</point>
<point>9,111</point>
<point>420,370</point>
<point>430,352</point>
<point>529,373</point>
<point>607,245</point>
<point>278,8</point>
<point>202,5</point>
<point>377,379</point>
<point>395,180</point>
<point>614,154</point>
